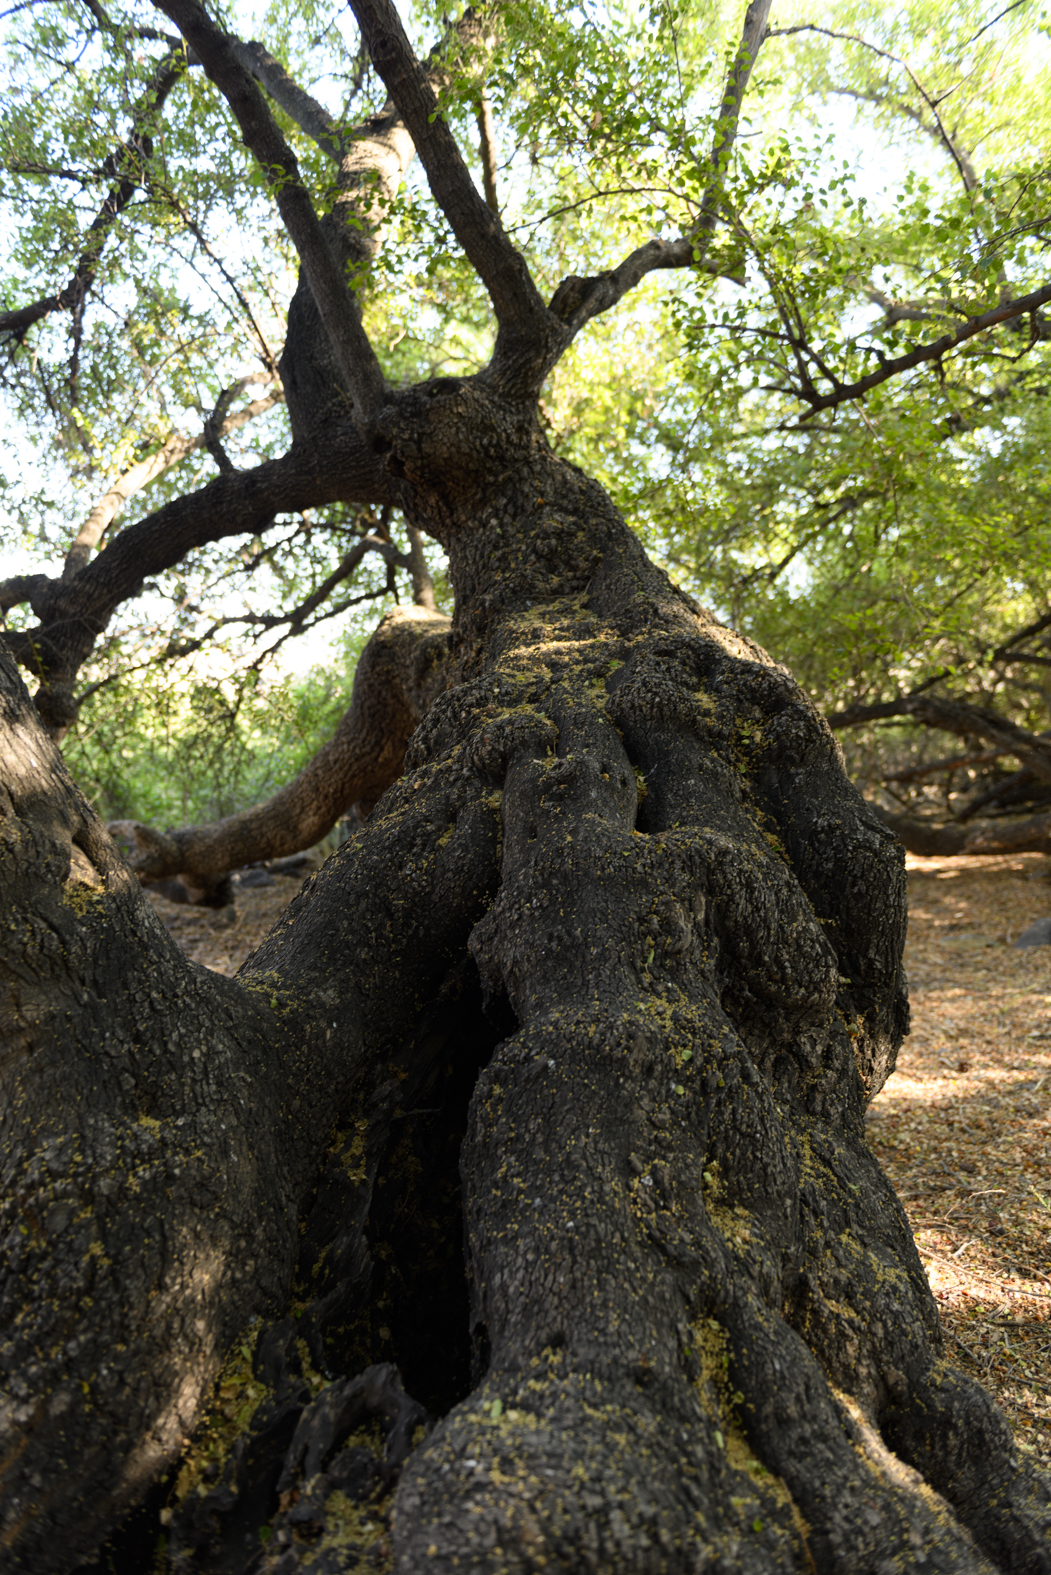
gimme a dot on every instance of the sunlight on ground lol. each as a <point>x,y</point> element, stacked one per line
<point>963,1128</point>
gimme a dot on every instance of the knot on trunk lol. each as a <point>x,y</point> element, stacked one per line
<point>518,733</point>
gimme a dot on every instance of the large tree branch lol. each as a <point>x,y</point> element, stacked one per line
<point>519,308</point>
<point>299,105</point>
<point>400,674</point>
<point>1037,626</point>
<point>931,768</point>
<point>172,452</point>
<point>37,588</point>
<point>335,301</point>
<point>753,33</point>
<point>73,613</point>
<point>929,840</point>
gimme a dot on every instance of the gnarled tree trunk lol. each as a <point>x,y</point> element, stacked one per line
<point>624,924</point>
<point>593,1001</point>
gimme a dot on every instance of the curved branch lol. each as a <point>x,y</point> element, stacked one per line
<point>889,367</point>
<point>171,453</point>
<point>74,612</point>
<point>954,716</point>
<point>36,588</point>
<point>935,130</point>
<point>967,175</point>
<point>400,674</point>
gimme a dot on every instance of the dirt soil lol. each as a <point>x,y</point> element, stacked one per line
<point>963,1128</point>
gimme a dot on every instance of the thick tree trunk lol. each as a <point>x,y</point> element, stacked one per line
<point>402,670</point>
<point>626,925</point>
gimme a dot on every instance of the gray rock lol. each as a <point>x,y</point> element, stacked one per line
<point>1037,934</point>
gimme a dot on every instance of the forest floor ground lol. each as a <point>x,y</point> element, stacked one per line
<point>963,1128</point>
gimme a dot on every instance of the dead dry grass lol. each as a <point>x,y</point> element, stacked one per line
<point>963,1128</point>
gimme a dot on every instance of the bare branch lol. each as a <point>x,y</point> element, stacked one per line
<point>934,129</point>
<point>967,175</point>
<point>931,768</point>
<point>73,613</point>
<point>892,366</point>
<point>954,716</point>
<point>343,570</point>
<point>172,452</point>
<point>997,18</point>
<point>120,30</point>
<point>212,432</point>
<point>335,302</point>
<point>175,203</point>
<point>373,155</point>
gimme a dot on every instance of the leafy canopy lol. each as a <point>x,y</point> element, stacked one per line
<point>889,180</point>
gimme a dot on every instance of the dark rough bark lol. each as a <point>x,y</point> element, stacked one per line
<point>625,925</point>
<point>398,677</point>
<point>160,1131</point>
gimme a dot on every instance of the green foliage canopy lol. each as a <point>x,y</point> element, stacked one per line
<point>889,181</point>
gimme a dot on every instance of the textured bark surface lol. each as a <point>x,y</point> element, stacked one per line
<point>400,673</point>
<point>597,994</point>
